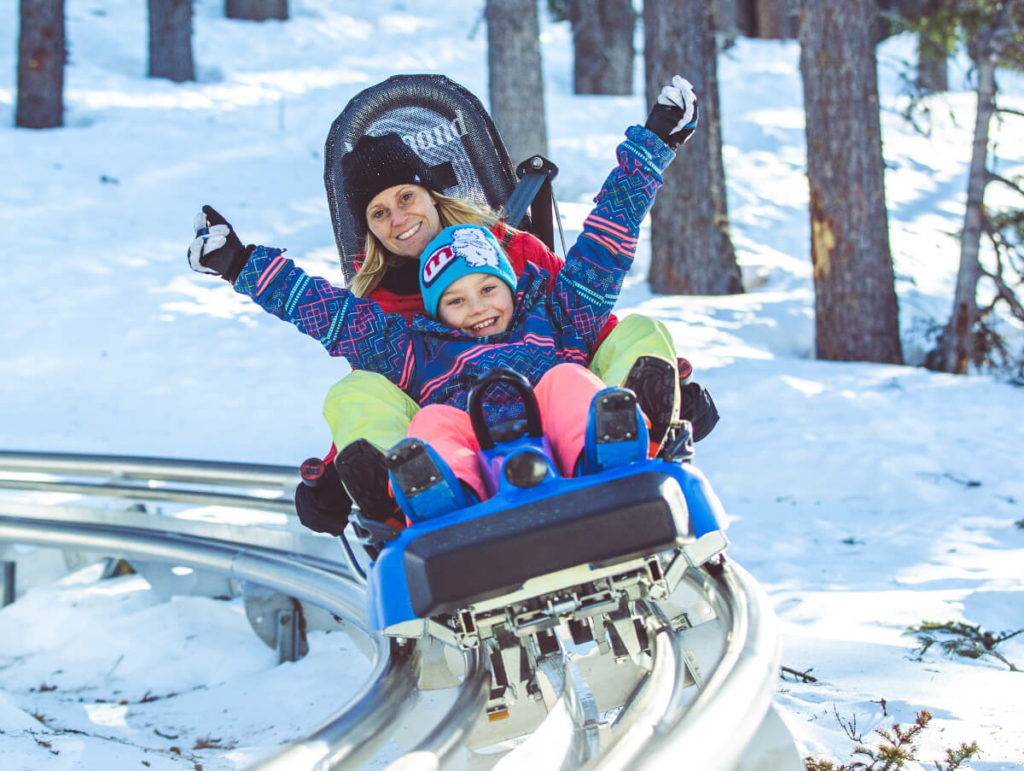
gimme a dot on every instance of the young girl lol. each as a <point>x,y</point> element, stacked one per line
<point>483,318</point>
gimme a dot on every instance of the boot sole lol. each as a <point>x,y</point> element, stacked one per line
<point>364,473</point>
<point>653,380</point>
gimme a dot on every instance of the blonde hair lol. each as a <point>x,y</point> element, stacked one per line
<point>450,211</point>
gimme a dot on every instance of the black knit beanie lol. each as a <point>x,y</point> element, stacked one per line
<point>375,164</point>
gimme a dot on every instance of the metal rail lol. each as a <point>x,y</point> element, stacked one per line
<point>319,584</point>
<point>454,729</point>
<point>662,722</point>
<point>154,479</point>
<point>350,739</point>
<point>149,468</point>
<point>253,487</point>
<point>355,732</point>
<point>657,728</point>
<point>738,693</point>
<point>275,558</point>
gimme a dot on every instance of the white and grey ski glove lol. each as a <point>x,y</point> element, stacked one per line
<point>674,116</point>
<point>216,248</point>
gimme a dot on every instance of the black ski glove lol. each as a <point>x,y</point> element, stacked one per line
<point>674,116</point>
<point>216,248</point>
<point>320,500</point>
<point>697,406</point>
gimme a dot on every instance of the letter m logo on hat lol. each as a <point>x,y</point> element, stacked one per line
<point>434,264</point>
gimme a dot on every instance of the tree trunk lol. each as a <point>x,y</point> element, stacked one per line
<point>41,58</point>
<point>856,314</point>
<point>170,40</point>
<point>775,19</point>
<point>602,39</point>
<point>932,53</point>
<point>734,18</point>
<point>887,21</point>
<point>516,84</point>
<point>932,68</point>
<point>958,349</point>
<point>926,17</point>
<point>740,14</point>
<point>256,10</point>
<point>691,251</point>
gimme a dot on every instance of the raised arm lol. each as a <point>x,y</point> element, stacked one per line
<point>589,285</point>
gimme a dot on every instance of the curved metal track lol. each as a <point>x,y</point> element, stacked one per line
<point>667,716</point>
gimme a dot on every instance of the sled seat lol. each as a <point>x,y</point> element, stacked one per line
<point>487,557</point>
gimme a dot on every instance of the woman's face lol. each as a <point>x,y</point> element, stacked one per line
<point>404,219</point>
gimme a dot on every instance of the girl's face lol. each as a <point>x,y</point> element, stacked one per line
<point>404,219</point>
<point>478,303</point>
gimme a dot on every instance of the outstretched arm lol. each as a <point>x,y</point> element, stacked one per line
<point>589,285</point>
<point>344,324</point>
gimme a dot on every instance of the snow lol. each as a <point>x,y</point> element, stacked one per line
<point>864,498</point>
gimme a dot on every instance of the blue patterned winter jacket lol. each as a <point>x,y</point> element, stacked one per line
<point>434,363</point>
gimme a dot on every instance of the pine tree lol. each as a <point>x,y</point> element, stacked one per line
<point>256,10</point>
<point>994,33</point>
<point>691,250</point>
<point>516,84</point>
<point>602,41</point>
<point>41,57</point>
<point>170,40</point>
<point>856,316</point>
<point>776,19</point>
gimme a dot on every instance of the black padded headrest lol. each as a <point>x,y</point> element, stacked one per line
<point>443,122</point>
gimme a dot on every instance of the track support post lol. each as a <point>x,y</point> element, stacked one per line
<point>288,637</point>
<point>7,585</point>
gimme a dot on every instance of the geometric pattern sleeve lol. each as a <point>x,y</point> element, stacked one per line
<point>344,324</point>
<point>595,267</point>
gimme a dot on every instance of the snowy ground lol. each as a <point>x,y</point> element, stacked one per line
<point>864,498</point>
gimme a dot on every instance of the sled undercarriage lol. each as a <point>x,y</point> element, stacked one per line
<point>599,611</point>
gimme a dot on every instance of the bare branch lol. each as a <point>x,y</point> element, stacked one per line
<point>993,177</point>
<point>1003,659</point>
<point>1009,296</point>
<point>1009,111</point>
<point>1007,635</point>
<point>805,676</point>
<point>849,726</point>
<point>1004,291</point>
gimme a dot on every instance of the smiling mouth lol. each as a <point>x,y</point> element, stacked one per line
<point>409,233</point>
<point>482,326</point>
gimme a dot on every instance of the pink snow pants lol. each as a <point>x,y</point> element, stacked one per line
<point>563,395</point>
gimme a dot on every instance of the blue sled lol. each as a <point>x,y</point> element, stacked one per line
<point>544,548</point>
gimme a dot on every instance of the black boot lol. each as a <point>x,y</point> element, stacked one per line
<point>364,472</point>
<point>653,380</point>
